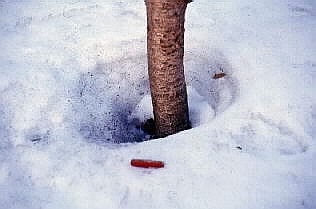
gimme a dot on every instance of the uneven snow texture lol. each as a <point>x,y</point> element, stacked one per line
<point>74,84</point>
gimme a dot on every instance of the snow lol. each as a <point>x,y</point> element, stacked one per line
<point>74,85</point>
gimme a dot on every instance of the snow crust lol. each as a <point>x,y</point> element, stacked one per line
<point>74,84</point>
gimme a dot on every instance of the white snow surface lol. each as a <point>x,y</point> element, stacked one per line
<point>74,86</point>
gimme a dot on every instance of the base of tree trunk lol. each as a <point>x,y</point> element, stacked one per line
<point>149,128</point>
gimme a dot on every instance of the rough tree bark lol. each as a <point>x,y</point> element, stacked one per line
<point>165,49</point>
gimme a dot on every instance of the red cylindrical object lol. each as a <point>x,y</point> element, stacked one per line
<point>142,163</point>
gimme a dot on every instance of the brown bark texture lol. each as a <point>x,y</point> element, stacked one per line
<point>165,50</point>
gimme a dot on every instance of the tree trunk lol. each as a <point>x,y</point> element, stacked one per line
<point>165,49</point>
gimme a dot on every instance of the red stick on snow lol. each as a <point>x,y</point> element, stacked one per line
<point>142,163</point>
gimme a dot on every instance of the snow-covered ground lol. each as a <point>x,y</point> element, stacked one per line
<point>73,80</point>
